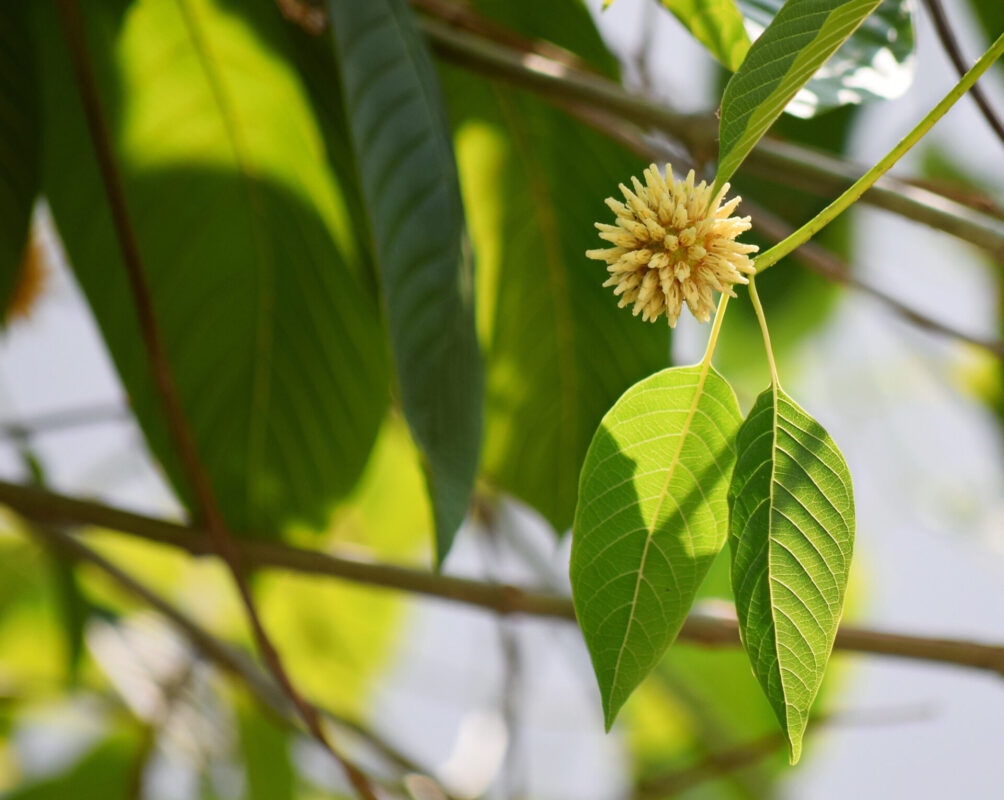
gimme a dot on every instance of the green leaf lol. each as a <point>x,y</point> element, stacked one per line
<point>875,63</point>
<point>803,35</point>
<point>558,351</point>
<point>107,771</point>
<point>717,24</point>
<point>650,520</point>
<point>256,272</point>
<point>791,534</point>
<point>410,185</point>
<point>19,142</point>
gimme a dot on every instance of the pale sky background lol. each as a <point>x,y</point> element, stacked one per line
<point>928,467</point>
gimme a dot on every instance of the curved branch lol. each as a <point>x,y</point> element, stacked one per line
<point>710,626</point>
<point>951,45</point>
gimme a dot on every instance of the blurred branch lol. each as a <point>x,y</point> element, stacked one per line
<point>827,264</point>
<point>707,627</point>
<point>174,413</point>
<point>725,762</point>
<point>954,51</point>
<point>229,659</point>
<point>792,164</point>
<point>56,421</point>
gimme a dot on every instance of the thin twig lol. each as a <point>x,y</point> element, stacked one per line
<point>57,421</point>
<point>954,51</point>
<point>231,660</point>
<point>705,626</point>
<point>174,413</point>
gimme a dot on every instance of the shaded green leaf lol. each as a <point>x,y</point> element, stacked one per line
<point>107,771</point>
<point>558,351</point>
<point>256,273</point>
<point>791,534</point>
<point>801,37</point>
<point>875,63</point>
<point>19,142</point>
<point>267,763</point>
<point>717,24</point>
<point>410,185</point>
<point>650,520</point>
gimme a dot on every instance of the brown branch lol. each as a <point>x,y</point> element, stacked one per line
<point>226,657</point>
<point>157,358</point>
<point>706,626</point>
<point>954,51</point>
<point>793,164</point>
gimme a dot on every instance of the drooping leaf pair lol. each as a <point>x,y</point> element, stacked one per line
<point>671,473</point>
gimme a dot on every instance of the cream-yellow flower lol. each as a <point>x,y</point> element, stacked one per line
<point>672,244</point>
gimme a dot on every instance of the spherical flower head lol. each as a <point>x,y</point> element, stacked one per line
<point>673,243</point>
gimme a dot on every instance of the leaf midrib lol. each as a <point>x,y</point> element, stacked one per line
<point>265,332</point>
<point>650,529</point>
<point>556,268</point>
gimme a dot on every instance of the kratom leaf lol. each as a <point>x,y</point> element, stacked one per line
<point>791,534</point>
<point>803,35</point>
<point>20,173</point>
<point>717,24</point>
<point>651,518</point>
<point>256,273</point>
<point>558,352</point>
<point>409,180</point>
<point>875,63</point>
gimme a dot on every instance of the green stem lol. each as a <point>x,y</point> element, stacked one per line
<point>862,184</point>
<point>716,326</point>
<point>763,330</point>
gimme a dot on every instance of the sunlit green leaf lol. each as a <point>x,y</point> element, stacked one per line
<point>245,240</point>
<point>19,142</point>
<point>875,63</point>
<point>409,181</point>
<point>717,24</point>
<point>801,37</point>
<point>791,535</point>
<point>651,518</point>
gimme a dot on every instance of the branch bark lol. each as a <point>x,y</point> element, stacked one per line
<point>215,528</point>
<point>709,627</point>
<point>794,164</point>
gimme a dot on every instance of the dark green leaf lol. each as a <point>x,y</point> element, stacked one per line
<point>801,37</point>
<point>410,185</point>
<point>243,232</point>
<point>651,518</point>
<point>791,534</point>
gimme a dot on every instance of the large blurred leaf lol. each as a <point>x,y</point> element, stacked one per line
<point>338,637</point>
<point>801,37</point>
<point>875,63</point>
<point>19,141</point>
<point>558,350</point>
<point>409,181</point>
<point>791,534</point>
<point>244,235</point>
<point>651,518</point>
